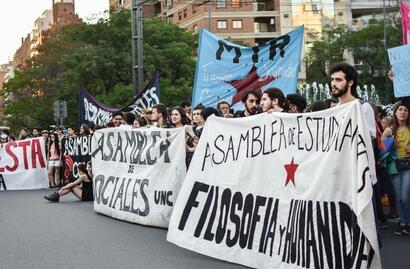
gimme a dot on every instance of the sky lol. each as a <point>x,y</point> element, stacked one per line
<point>17,20</point>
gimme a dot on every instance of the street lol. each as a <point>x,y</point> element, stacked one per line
<point>38,234</point>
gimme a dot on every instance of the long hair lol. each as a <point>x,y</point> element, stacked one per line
<point>55,143</point>
<point>86,129</point>
<point>184,118</point>
<point>395,120</point>
<point>83,168</point>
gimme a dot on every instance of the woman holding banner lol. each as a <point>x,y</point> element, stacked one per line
<point>84,193</point>
<point>53,161</point>
<point>401,181</point>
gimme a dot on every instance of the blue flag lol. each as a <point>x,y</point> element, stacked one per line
<point>224,70</point>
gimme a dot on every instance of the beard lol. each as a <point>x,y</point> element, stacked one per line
<point>252,110</point>
<point>340,92</point>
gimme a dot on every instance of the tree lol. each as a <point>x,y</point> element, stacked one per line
<point>329,49</point>
<point>97,57</point>
<point>365,46</point>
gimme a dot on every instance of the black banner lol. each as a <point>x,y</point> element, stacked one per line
<point>75,150</point>
<point>93,112</point>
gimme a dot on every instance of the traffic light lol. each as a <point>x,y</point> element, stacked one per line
<point>63,109</point>
<point>56,109</point>
<point>60,109</point>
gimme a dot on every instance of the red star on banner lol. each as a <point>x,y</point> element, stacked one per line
<point>291,170</point>
<point>251,81</point>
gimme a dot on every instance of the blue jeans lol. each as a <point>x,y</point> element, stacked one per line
<point>401,184</point>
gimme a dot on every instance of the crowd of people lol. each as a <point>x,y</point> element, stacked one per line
<point>390,137</point>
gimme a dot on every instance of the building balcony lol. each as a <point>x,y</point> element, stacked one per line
<point>264,25</point>
<point>263,5</point>
<point>368,7</point>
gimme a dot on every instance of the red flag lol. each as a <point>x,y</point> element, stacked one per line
<point>405,18</point>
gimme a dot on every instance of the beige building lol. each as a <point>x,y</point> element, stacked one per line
<point>151,8</point>
<point>41,25</point>
<point>6,72</point>
<point>248,22</point>
<point>62,13</point>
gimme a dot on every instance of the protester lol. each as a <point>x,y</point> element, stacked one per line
<point>296,102</point>
<point>179,117</point>
<point>84,129</point>
<point>35,133</point>
<point>128,119</point>
<point>4,138</point>
<point>273,100</point>
<point>224,109</point>
<point>60,134</point>
<point>331,102</point>
<point>139,122</point>
<point>250,99</point>
<point>198,120</point>
<point>401,181</point>
<point>84,193</point>
<point>96,127</point>
<point>117,118</point>
<point>159,116</point>
<point>386,122</point>
<point>187,108</point>
<point>53,158</point>
<point>71,132</point>
<point>317,106</point>
<point>23,134</point>
<point>344,87</point>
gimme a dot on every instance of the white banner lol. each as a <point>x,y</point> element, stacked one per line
<point>23,165</point>
<point>137,173</point>
<point>281,190</point>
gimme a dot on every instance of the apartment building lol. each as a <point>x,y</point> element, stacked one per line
<point>6,72</point>
<point>151,8</point>
<point>41,25</point>
<point>240,20</point>
<point>62,13</point>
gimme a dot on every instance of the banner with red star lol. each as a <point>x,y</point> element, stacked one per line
<point>282,190</point>
<point>224,69</point>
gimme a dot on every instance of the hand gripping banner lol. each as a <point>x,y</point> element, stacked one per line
<point>137,173</point>
<point>23,165</point>
<point>224,69</point>
<point>93,112</point>
<point>281,191</point>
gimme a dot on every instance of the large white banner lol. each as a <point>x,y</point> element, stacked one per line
<point>137,173</point>
<point>23,165</point>
<point>281,190</point>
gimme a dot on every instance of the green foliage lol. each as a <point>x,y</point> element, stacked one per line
<point>367,48</point>
<point>98,57</point>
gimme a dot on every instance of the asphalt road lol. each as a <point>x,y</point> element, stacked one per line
<point>37,234</point>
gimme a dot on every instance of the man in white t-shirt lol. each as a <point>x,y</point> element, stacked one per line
<point>344,83</point>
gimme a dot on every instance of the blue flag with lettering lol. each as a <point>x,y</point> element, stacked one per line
<point>224,69</point>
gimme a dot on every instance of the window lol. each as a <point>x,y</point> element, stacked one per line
<point>236,3</point>
<point>221,3</point>
<point>194,8</point>
<point>222,24</point>
<point>237,24</point>
<point>185,12</point>
<point>179,15</point>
